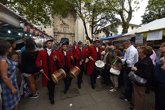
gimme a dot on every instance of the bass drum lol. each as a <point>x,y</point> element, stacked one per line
<point>74,72</point>
<point>99,64</point>
<point>58,75</point>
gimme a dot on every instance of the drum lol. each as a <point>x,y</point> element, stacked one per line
<point>74,72</point>
<point>99,65</point>
<point>58,75</point>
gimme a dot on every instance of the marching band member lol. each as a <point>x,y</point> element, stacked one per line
<point>48,60</point>
<point>94,54</point>
<point>80,55</point>
<point>67,60</point>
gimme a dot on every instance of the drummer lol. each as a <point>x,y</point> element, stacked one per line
<point>66,63</point>
<point>80,55</point>
<point>94,54</point>
<point>48,60</point>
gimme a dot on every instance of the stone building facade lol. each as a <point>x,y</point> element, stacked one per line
<point>64,27</point>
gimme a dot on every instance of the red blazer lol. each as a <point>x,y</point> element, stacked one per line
<point>70,60</point>
<point>41,62</point>
<point>77,56</point>
<point>93,53</point>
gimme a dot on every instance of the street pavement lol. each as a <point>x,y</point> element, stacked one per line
<point>80,99</point>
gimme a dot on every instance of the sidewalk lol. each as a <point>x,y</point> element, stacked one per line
<point>79,99</point>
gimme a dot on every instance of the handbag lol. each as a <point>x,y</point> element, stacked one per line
<point>114,71</point>
<point>137,79</point>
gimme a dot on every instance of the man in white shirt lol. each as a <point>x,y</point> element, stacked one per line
<point>130,58</point>
<point>131,54</point>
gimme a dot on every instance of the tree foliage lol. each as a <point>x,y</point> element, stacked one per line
<point>155,10</point>
<point>93,12</point>
<point>124,9</point>
<point>38,11</point>
<point>97,13</point>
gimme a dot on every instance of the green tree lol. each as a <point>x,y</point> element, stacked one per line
<point>93,12</point>
<point>125,9</point>
<point>38,11</point>
<point>155,10</point>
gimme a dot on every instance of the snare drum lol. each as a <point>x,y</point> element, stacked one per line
<point>99,65</point>
<point>74,72</point>
<point>58,75</point>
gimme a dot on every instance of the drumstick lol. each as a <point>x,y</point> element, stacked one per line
<point>45,75</point>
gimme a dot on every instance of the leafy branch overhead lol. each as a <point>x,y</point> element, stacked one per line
<point>155,10</point>
<point>97,13</point>
<point>38,11</point>
<point>124,9</point>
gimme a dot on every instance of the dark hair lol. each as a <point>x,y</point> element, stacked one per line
<point>11,41</point>
<point>103,44</point>
<point>80,42</point>
<point>13,53</point>
<point>117,52</point>
<point>4,46</point>
<point>162,44</point>
<point>30,44</point>
<point>146,50</point>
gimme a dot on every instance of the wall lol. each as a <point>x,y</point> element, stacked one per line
<point>64,27</point>
<point>119,28</point>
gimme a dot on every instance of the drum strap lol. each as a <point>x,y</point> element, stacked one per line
<point>80,54</point>
<point>97,55</point>
<point>48,65</point>
<point>65,63</point>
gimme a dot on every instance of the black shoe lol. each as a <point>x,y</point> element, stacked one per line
<point>52,102</point>
<point>123,98</point>
<point>33,96</point>
<point>79,86</point>
<point>93,87</point>
<point>65,91</point>
<point>131,108</point>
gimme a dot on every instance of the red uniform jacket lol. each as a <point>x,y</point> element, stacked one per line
<point>79,56</point>
<point>93,53</point>
<point>41,62</point>
<point>69,58</point>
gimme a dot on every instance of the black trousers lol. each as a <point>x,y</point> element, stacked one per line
<point>159,96</point>
<point>80,76</point>
<point>67,82</point>
<point>93,77</point>
<point>51,89</point>
<point>127,84</point>
<point>106,76</point>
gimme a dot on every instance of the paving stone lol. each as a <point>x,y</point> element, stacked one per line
<point>81,99</point>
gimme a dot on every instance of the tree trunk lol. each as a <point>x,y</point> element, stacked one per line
<point>86,32</point>
<point>92,24</point>
<point>125,26</point>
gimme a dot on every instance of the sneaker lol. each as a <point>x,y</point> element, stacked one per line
<point>99,77</point>
<point>124,99</point>
<point>112,90</point>
<point>33,96</point>
<point>111,87</point>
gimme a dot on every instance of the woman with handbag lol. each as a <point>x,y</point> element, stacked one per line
<point>115,70</point>
<point>159,76</point>
<point>141,75</point>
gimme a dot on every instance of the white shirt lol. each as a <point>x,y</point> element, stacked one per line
<point>97,49</point>
<point>64,53</point>
<point>49,51</point>
<point>131,56</point>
